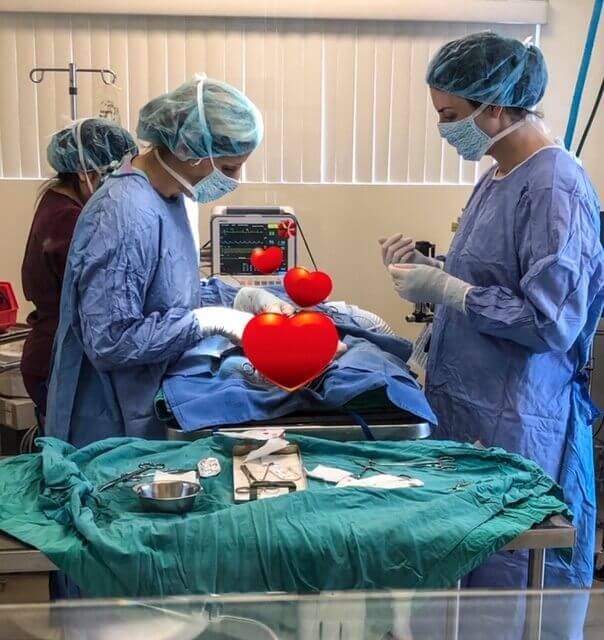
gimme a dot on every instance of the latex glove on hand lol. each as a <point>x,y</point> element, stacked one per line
<point>223,321</point>
<point>342,348</point>
<point>400,250</point>
<point>422,283</point>
<point>254,300</point>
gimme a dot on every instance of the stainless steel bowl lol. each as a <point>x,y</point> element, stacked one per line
<point>168,496</point>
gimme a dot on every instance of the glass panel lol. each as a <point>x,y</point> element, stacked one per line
<point>338,616</point>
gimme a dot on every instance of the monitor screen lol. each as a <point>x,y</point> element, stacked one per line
<point>238,240</point>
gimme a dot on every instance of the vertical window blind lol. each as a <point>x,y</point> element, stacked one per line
<point>343,101</point>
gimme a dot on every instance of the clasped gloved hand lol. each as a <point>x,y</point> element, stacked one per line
<point>223,321</point>
<point>422,283</point>
<point>255,300</point>
<point>400,250</point>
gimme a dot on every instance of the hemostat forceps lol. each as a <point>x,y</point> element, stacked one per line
<point>442,463</point>
<point>256,484</point>
<point>143,468</point>
<point>370,465</point>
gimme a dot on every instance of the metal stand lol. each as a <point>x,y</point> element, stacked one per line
<point>453,606</point>
<point>423,312</point>
<point>534,606</point>
<point>14,334</point>
<point>107,76</point>
<point>555,533</point>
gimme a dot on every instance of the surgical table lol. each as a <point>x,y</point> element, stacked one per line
<point>17,559</point>
<point>20,562</point>
<point>554,533</point>
<point>12,431</point>
<point>388,424</point>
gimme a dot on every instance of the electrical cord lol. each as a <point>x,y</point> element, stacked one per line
<point>27,441</point>
<point>312,259</point>
<point>32,436</point>
<point>218,274</point>
<point>211,620</point>
<point>590,120</point>
<point>271,634</point>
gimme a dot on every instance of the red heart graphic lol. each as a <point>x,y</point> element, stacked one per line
<point>290,351</point>
<point>267,260</point>
<point>307,288</point>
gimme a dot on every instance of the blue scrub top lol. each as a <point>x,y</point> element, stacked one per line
<point>130,286</point>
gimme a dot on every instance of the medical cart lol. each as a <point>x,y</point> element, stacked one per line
<point>19,562</point>
<point>17,412</point>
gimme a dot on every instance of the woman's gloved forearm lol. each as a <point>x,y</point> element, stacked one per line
<point>223,321</point>
<point>422,283</point>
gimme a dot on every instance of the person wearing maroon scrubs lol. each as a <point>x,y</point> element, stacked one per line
<point>81,155</point>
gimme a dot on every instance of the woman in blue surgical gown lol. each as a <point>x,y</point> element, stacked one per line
<point>130,303</point>
<point>519,295</point>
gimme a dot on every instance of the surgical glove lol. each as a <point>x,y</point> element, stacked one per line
<point>223,321</point>
<point>341,350</point>
<point>399,250</point>
<point>422,283</point>
<point>255,300</point>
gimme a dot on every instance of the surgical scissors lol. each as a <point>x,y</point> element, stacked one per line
<point>442,463</point>
<point>143,468</point>
<point>371,466</point>
<point>461,485</point>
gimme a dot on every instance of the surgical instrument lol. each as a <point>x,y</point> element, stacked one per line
<point>255,484</point>
<point>461,485</point>
<point>143,468</point>
<point>277,469</point>
<point>371,466</point>
<point>443,463</point>
<point>206,468</point>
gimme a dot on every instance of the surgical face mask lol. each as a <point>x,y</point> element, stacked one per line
<point>470,141</point>
<point>212,187</point>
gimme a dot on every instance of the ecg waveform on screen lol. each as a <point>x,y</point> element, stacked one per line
<point>237,241</point>
<point>237,251</point>
<point>260,242</point>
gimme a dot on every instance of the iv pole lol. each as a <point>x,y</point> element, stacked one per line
<point>107,75</point>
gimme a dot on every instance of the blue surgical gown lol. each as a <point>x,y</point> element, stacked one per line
<point>130,285</point>
<point>510,372</point>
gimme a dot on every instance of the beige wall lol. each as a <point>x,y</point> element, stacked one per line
<point>562,43</point>
<point>342,222</point>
